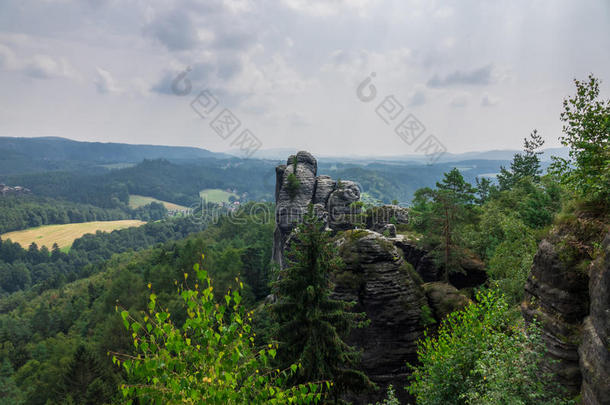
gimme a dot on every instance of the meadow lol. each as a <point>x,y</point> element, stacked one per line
<point>216,195</point>
<point>136,201</point>
<point>65,234</point>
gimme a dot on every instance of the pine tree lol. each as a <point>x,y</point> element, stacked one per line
<point>441,212</point>
<point>526,164</point>
<point>86,380</point>
<point>311,325</point>
<point>9,392</point>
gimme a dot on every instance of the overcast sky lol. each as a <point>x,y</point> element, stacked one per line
<point>478,75</point>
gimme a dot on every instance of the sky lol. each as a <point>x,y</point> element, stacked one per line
<point>335,77</point>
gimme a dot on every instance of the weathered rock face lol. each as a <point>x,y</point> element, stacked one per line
<point>386,288</point>
<point>290,208</point>
<point>557,297</point>
<point>379,217</point>
<point>324,186</point>
<point>340,208</point>
<point>420,260</point>
<point>332,201</point>
<point>594,350</point>
<point>570,297</point>
<point>444,299</point>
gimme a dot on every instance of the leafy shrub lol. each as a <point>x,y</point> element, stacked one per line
<point>390,399</point>
<point>480,357</point>
<point>209,359</point>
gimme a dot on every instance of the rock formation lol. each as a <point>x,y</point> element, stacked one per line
<point>594,350</point>
<point>384,272</point>
<point>569,294</point>
<point>387,289</point>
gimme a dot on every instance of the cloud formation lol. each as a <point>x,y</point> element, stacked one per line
<point>290,69</point>
<point>477,77</point>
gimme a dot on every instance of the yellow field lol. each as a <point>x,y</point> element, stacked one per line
<point>65,234</point>
<point>136,201</point>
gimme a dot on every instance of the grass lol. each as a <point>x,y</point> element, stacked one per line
<point>216,195</point>
<point>136,201</point>
<point>65,234</point>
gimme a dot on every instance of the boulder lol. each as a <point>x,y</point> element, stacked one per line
<point>419,258</point>
<point>378,217</point>
<point>443,299</point>
<point>472,273</point>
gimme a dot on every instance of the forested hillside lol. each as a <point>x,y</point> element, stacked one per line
<point>50,336</point>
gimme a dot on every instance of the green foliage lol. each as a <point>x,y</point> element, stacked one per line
<point>86,380</point>
<point>524,165</point>
<point>40,329</point>
<point>427,316</point>
<point>9,393</point>
<point>481,356</point>
<point>439,213</point>
<point>510,264</point>
<point>390,398</point>
<point>311,325</point>
<point>42,270</point>
<point>586,132</point>
<point>293,185</point>
<point>210,359</point>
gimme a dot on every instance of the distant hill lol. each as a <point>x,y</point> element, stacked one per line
<point>51,149</point>
<point>500,154</point>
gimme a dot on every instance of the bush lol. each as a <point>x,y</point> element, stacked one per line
<point>209,359</point>
<point>480,357</point>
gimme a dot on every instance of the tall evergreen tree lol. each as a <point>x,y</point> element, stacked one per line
<point>526,164</point>
<point>312,327</point>
<point>86,380</point>
<point>441,212</point>
<point>9,392</point>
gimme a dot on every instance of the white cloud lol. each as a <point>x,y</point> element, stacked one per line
<point>105,83</point>
<point>460,100</point>
<point>8,61</point>
<point>489,101</point>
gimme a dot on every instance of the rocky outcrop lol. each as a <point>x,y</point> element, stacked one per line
<point>594,350</point>
<point>472,273</point>
<point>324,186</point>
<point>420,259</point>
<point>444,299</point>
<point>569,294</point>
<point>342,213</point>
<point>378,218</point>
<point>557,297</point>
<point>291,205</point>
<point>384,271</point>
<point>386,288</point>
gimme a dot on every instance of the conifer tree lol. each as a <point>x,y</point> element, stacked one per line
<point>312,326</point>
<point>9,392</point>
<point>526,164</point>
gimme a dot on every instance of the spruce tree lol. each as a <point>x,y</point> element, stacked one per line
<point>312,326</point>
